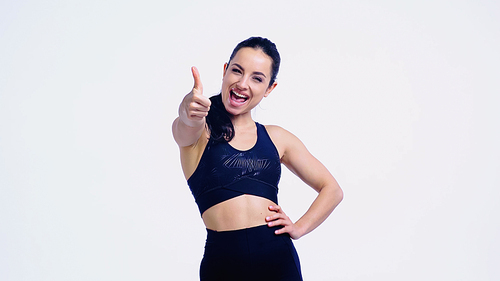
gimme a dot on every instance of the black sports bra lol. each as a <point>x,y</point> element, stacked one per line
<point>225,172</point>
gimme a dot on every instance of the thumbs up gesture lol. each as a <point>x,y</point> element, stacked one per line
<point>194,107</point>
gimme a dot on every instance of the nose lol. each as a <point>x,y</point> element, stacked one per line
<point>243,82</point>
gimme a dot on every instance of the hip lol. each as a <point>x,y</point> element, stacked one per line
<point>255,253</point>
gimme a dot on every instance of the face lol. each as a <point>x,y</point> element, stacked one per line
<point>246,81</point>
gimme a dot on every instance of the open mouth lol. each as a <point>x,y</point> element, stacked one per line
<point>237,97</point>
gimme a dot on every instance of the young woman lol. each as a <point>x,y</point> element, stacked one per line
<point>233,166</point>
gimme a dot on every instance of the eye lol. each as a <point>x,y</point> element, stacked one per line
<point>236,70</point>
<point>258,79</point>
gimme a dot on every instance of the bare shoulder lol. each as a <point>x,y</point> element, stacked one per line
<point>275,130</point>
<point>280,134</point>
<point>283,139</point>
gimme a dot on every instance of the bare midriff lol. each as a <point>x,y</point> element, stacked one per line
<point>239,212</point>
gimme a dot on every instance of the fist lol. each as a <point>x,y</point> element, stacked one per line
<point>194,107</point>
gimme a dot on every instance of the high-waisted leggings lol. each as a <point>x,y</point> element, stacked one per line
<point>255,253</point>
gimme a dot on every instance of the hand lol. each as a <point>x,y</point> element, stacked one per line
<point>194,107</point>
<point>280,218</point>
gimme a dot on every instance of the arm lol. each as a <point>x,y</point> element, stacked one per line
<point>302,163</point>
<point>189,126</point>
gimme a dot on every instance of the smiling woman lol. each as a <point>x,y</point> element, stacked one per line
<point>245,83</point>
<point>233,167</point>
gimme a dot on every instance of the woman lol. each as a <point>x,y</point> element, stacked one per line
<point>233,168</point>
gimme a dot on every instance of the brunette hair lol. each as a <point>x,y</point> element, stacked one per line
<point>218,119</point>
<point>266,46</point>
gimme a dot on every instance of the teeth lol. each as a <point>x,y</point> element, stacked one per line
<point>239,95</point>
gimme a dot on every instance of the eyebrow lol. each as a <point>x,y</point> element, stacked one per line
<point>255,72</point>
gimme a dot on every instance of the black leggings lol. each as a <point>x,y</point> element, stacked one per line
<point>249,254</point>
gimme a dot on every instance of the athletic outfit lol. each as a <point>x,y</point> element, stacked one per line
<point>254,253</point>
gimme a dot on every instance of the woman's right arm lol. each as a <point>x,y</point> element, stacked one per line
<point>190,125</point>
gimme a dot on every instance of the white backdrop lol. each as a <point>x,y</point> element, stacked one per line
<point>399,99</point>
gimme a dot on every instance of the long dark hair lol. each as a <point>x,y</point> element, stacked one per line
<point>218,119</point>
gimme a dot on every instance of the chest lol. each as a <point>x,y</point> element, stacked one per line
<point>244,141</point>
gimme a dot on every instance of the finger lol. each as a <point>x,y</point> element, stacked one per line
<point>283,222</point>
<point>200,103</point>
<point>275,208</point>
<point>203,101</point>
<point>281,231</point>
<point>279,218</point>
<point>197,116</point>
<point>198,108</point>
<point>201,111</point>
<point>198,112</point>
<point>197,80</point>
<point>276,216</point>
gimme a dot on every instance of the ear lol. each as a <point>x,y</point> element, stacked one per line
<point>270,89</point>
<point>224,71</point>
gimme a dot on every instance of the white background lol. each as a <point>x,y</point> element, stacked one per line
<point>399,99</point>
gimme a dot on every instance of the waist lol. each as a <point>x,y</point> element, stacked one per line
<point>260,233</point>
<point>244,211</point>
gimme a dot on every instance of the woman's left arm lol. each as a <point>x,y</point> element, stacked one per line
<point>302,163</point>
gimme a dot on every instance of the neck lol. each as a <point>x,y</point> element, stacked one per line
<point>242,121</point>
